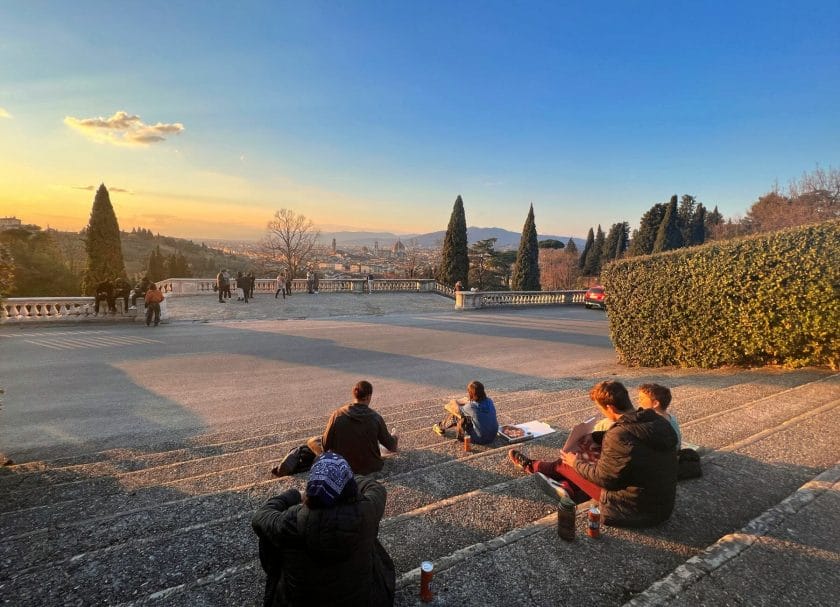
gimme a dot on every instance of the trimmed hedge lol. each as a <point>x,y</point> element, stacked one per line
<point>767,299</point>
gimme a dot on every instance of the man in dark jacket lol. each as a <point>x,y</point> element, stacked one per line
<point>325,550</point>
<point>355,431</point>
<point>635,477</point>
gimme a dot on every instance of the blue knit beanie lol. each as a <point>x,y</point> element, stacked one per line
<point>329,478</point>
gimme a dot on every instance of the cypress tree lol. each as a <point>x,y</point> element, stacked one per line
<point>526,270</point>
<point>102,244</point>
<point>455,261</point>
<point>685,214</point>
<point>616,242</point>
<point>590,242</point>
<point>571,247</point>
<point>645,237</point>
<point>592,265</point>
<point>697,228</point>
<point>623,240</point>
<point>668,237</point>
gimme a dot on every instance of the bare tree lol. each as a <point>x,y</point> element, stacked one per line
<point>291,240</point>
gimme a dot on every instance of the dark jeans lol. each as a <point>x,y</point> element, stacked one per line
<point>152,309</point>
<point>280,290</point>
<point>112,302</point>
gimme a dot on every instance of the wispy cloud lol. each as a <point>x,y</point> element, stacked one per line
<point>123,129</point>
<point>4,113</point>
<point>93,188</point>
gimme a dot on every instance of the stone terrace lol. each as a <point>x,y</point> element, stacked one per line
<point>170,524</point>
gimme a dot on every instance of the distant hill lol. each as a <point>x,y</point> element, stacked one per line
<point>505,238</point>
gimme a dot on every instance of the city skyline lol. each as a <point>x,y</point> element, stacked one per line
<point>374,116</point>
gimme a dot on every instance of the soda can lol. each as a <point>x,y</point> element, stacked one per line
<point>593,520</point>
<point>427,571</point>
<point>467,443</point>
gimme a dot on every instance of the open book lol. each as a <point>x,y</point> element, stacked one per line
<point>580,441</point>
<point>522,432</point>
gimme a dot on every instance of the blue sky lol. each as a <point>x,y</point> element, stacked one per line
<point>376,115</point>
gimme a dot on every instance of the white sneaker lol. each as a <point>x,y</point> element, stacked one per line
<point>551,487</point>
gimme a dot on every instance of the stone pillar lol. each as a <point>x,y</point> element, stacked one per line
<point>467,300</point>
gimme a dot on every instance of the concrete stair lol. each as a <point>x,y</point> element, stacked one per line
<point>170,524</point>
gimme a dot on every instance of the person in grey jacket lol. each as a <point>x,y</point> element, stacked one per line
<point>322,548</point>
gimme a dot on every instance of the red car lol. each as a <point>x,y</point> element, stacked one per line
<point>594,298</point>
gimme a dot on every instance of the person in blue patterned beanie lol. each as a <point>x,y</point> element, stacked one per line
<point>321,548</point>
<point>330,481</point>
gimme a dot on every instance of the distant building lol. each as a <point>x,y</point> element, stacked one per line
<point>398,250</point>
<point>9,223</point>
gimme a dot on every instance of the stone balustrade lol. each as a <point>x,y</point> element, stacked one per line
<point>22,309</point>
<point>42,308</point>
<point>203,286</point>
<point>473,300</point>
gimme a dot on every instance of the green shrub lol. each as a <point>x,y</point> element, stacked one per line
<point>767,299</point>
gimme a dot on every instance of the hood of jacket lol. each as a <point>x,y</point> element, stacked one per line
<point>358,411</point>
<point>650,429</point>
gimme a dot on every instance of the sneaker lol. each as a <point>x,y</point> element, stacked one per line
<point>438,430</point>
<point>557,489</point>
<point>519,459</point>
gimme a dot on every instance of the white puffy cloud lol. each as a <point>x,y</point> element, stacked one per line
<point>4,113</point>
<point>123,129</point>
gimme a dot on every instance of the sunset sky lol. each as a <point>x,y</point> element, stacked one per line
<point>202,118</point>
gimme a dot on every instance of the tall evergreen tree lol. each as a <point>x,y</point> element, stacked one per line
<point>592,265</point>
<point>685,213</point>
<point>697,227</point>
<point>590,242</point>
<point>455,261</point>
<point>669,236</point>
<point>571,247</point>
<point>615,242</point>
<point>645,237</point>
<point>526,270</point>
<point>157,265</point>
<point>102,244</point>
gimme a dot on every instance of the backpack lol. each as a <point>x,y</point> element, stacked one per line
<point>688,464</point>
<point>299,459</point>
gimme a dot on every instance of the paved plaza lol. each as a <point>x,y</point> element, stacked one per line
<point>141,452</point>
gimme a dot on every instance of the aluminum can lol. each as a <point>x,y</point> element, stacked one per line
<point>427,571</point>
<point>467,443</point>
<point>593,522</point>
<point>566,519</point>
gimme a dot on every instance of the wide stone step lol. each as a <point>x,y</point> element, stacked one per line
<point>510,557</point>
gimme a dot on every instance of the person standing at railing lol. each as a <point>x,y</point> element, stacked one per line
<point>280,285</point>
<point>153,299</point>
<point>140,290</point>
<point>251,282</point>
<point>105,292</point>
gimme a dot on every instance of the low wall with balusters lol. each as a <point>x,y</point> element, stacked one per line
<point>27,309</point>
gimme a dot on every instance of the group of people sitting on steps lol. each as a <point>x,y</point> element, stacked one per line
<point>321,547</point>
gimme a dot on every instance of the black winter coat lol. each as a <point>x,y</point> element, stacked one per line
<point>637,470</point>
<point>328,556</point>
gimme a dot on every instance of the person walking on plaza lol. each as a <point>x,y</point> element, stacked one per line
<point>289,284</point>
<point>153,299</point>
<point>321,548</point>
<point>315,281</point>
<point>355,431</point>
<point>280,285</point>
<point>635,477</point>
<point>474,416</point>
<point>309,282</point>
